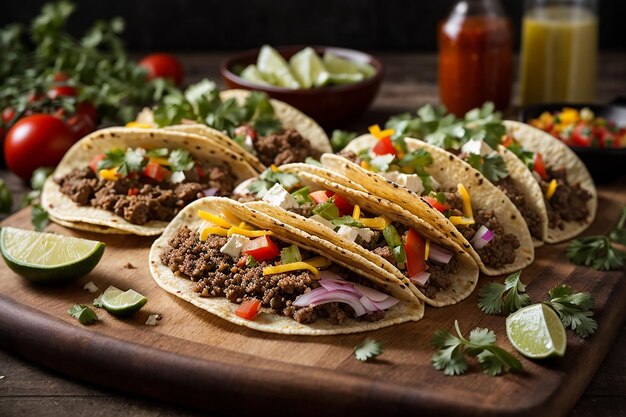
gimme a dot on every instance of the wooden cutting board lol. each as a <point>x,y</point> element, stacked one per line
<point>196,359</point>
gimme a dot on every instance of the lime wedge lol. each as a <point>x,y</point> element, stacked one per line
<point>337,65</point>
<point>346,78</point>
<point>366,69</point>
<point>272,63</point>
<point>121,303</point>
<point>536,332</point>
<point>252,74</point>
<point>308,68</point>
<point>48,258</point>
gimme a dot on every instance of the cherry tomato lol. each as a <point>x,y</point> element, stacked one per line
<point>320,196</point>
<point>200,171</point>
<point>436,204</point>
<point>261,249</point>
<point>163,65</point>
<point>36,141</point>
<point>248,309</point>
<point>34,97</point>
<point>582,135</point>
<point>384,147</point>
<point>343,205</point>
<point>62,91</point>
<point>155,171</point>
<point>540,167</point>
<point>88,109</point>
<point>81,125</point>
<point>7,115</point>
<point>415,249</point>
<point>94,162</point>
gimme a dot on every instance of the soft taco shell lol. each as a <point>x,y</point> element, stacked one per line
<point>266,321</point>
<point>463,281</point>
<point>448,171</point>
<point>61,207</point>
<point>87,227</point>
<point>556,154</point>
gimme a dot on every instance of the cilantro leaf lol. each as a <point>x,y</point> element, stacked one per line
<point>251,262</point>
<point>495,298</point>
<point>527,157</point>
<point>157,152</point>
<point>302,196</point>
<point>181,160</point>
<point>340,139</point>
<point>347,221</point>
<point>134,161</point>
<point>39,217</point>
<point>269,177</point>
<point>491,166</point>
<point>368,349</point>
<point>573,309</point>
<point>112,158</point>
<point>83,313</point>
<point>619,233</point>
<point>327,210</point>
<point>597,252</point>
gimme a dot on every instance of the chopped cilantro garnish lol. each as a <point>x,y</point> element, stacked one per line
<point>181,160</point>
<point>341,138</point>
<point>157,152</point>
<point>269,177</point>
<point>251,262</point>
<point>494,298</point>
<point>394,241</point>
<point>112,158</point>
<point>327,210</point>
<point>347,221</point>
<point>573,309</point>
<point>368,349</point>
<point>301,196</point>
<point>491,166</point>
<point>134,161</point>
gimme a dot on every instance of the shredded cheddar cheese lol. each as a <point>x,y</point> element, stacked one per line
<point>427,249</point>
<point>356,212</point>
<point>551,188</point>
<point>235,230</point>
<point>216,220</point>
<point>210,230</point>
<point>294,266</point>
<point>467,203</point>
<point>461,221</point>
<point>378,223</point>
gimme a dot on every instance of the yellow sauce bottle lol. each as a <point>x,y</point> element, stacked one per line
<point>559,52</point>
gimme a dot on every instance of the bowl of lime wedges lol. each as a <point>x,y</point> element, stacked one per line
<point>332,85</point>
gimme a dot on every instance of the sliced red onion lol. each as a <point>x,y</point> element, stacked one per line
<point>341,297</point>
<point>388,303</point>
<point>421,278</point>
<point>439,254</point>
<point>210,192</point>
<point>371,293</point>
<point>482,237</point>
<point>326,274</point>
<point>305,299</point>
<point>333,285</point>
<point>322,296</point>
<point>368,304</point>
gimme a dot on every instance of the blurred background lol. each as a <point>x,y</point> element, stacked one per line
<point>379,25</point>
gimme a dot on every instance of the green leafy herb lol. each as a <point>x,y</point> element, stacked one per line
<point>181,160</point>
<point>451,358</point>
<point>39,177</point>
<point>439,196</point>
<point>39,217</point>
<point>495,298</point>
<point>327,210</point>
<point>290,254</point>
<point>269,177</point>
<point>302,196</point>
<point>134,161</point>
<point>340,139</point>
<point>393,239</point>
<point>619,233</point>
<point>368,349</point>
<point>251,262</point>
<point>491,166</point>
<point>6,198</point>
<point>573,309</point>
<point>112,158</point>
<point>312,161</point>
<point>157,152</point>
<point>597,252</point>
<point>83,313</point>
<point>347,221</point>
<point>527,157</point>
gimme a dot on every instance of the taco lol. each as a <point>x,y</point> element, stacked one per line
<point>444,190</point>
<point>267,131</point>
<point>567,190</point>
<point>136,180</point>
<point>405,246</point>
<point>233,261</point>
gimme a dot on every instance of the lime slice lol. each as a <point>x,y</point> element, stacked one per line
<point>337,65</point>
<point>48,258</point>
<point>536,332</point>
<point>308,68</point>
<point>121,303</point>
<point>272,63</point>
<point>252,74</point>
<point>346,78</point>
<point>366,69</point>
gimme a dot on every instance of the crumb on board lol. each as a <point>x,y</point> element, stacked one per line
<point>91,287</point>
<point>153,319</point>
<point>130,266</point>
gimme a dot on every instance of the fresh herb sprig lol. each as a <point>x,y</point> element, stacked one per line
<point>451,358</point>
<point>574,309</point>
<point>83,314</point>
<point>496,298</point>
<point>340,139</point>
<point>269,178</point>
<point>368,349</point>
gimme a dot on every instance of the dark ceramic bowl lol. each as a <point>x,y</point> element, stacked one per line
<point>604,164</point>
<point>331,106</point>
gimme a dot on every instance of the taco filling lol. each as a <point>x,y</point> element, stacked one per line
<point>565,202</point>
<point>142,185</point>
<point>253,266</point>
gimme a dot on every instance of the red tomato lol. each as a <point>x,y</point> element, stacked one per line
<point>88,109</point>
<point>344,206</point>
<point>133,191</point>
<point>320,196</point>
<point>248,309</point>
<point>246,131</point>
<point>507,141</point>
<point>81,125</point>
<point>582,134</point>
<point>436,204</point>
<point>34,97</point>
<point>94,162</point>
<point>261,249</point>
<point>384,147</point>
<point>163,66</point>
<point>36,141</point>
<point>540,167</point>
<point>200,171</point>
<point>60,77</point>
<point>7,115</point>
<point>415,249</point>
<point>62,91</point>
<point>155,171</point>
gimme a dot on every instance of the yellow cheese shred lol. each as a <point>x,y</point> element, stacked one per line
<point>235,230</point>
<point>356,212</point>
<point>467,203</point>
<point>139,125</point>
<point>461,221</point>
<point>319,262</point>
<point>160,161</point>
<point>109,174</point>
<point>551,188</point>
<point>216,220</point>
<point>294,266</point>
<point>230,217</point>
<point>378,223</point>
<point>427,249</point>
<point>210,230</point>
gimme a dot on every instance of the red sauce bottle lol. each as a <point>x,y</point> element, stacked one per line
<point>475,56</point>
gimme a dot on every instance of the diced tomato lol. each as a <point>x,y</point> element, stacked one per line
<point>94,162</point>
<point>415,248</point>
<point>582,134</point>
<point>155,171</point>
<point>436,204</point>
<point>540,167</point>
<point>384,147</point>
<point>246,131</point>
<point>320,196</point>
<point>344,206</point>
<point>60,77</point>
<point>133,191</point>
<point>507,141</point>
<point>261,249</point>
<point>248,309</point>
<point>200,171</point>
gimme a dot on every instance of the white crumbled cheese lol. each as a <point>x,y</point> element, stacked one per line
<point>279,197</point>
<point>153,319</point>
<point>323,221</point>
<point>242,188</point>
<point>477,147</point>
<point>91,287</point>
<point>381,162</point>
<point>177,176</point>
<point>249,145</point>
<point>351,233</point>
<point>234,245</point>
<point>411,181</point>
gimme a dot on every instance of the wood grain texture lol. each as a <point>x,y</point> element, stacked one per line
<point>190,353</point>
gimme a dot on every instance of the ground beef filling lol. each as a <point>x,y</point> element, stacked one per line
<point>219,275</point>
<point>149,200</point>
<point>569,202</point>
<point>284,148</point>
<point>501,249</point>
<point>530,216</point>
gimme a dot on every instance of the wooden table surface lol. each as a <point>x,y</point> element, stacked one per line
<point>410,81</point>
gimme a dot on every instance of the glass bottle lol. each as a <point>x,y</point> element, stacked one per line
<point>559,51</point>
<point>475,56</point>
